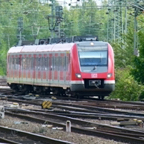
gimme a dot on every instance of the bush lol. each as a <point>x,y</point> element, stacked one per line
<point>127,88</point>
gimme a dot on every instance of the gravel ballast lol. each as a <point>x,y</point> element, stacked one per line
<point>53,132</point>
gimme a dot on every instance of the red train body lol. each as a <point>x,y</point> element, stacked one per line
<point>81,68</point>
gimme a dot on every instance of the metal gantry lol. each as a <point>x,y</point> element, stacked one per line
<point>118,17</point>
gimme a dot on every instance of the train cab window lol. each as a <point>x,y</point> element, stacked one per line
<point>93,58</point>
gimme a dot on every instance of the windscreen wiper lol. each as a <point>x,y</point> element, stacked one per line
<point>94,68</point>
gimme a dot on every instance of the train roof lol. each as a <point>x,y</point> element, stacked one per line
<point>40,48</point>
<point>52,47</point>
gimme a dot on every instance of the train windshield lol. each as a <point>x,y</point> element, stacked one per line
<point>93,58</point>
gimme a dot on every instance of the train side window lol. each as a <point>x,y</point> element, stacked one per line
<point>14,63</point>
<point>43,65</point>
<point>26,63</point>
<point>40,63</point>
<point>65,62</point>
<point>22,63</point>
<point>10,62</point>
<point>37,59</point>
<point>47,62</point>
<point>50,63</point>
<point>53,63</point>
<point>56,63</point>
<point>17,63</point>
<point>37,63</point>
<point>29,63</point>
<point>62,63</point>
<point>31,59</point>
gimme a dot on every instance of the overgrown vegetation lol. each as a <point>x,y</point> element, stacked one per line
<point>129,68</point>
<point>127,88</point>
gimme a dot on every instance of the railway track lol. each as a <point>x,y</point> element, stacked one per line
<point>76,106</point>
<point>113,104</point>
<point>15,136</point>
<point>81,126</point>
<point>68,110</point>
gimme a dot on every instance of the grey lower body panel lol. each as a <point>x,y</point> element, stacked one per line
<point>105,91</point>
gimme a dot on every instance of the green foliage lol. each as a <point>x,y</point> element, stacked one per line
<point>124,51</point>
<point>127,88</point>
<point>138,69</point>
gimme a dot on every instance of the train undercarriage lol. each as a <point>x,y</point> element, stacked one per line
<point>59,91</point>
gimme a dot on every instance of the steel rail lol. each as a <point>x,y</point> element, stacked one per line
<point>70,105</point>
<point>74,120</point>
<point>3,140</point>
<point>101,130</point>
<point>101,116</point>
<point>32,136</point>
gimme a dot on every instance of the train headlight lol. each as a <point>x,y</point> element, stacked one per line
<point>109,75</point>
<point>78,75</point>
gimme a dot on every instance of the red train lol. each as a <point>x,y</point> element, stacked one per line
<point>83,68</point>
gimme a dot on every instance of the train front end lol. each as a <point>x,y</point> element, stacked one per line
<point>93,69</point>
